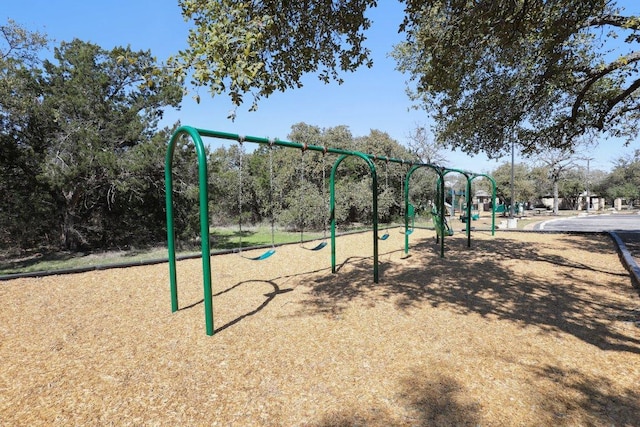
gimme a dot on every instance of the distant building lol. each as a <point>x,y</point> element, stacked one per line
<point>596,203</point>
<point>482,201</point>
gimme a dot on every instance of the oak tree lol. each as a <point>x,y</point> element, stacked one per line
<point>541,71</point>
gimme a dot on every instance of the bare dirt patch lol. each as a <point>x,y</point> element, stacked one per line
<point>520,329</point>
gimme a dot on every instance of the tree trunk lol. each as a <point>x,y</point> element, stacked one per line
<point>69,236</point>
<point>555,197</point>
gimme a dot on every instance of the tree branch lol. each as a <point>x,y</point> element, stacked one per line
<point>613,66</point>
<point>628,22</point>
<point>614,101</point>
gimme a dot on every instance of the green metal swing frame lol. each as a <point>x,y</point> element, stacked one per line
<point>196,136</point>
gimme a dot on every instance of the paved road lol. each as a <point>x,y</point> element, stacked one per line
<point>613,222</point>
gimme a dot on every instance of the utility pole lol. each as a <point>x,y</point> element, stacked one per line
<point>588,159</point>
<point>513,190</point>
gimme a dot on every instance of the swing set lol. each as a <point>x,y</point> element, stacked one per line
<point>196,136</point>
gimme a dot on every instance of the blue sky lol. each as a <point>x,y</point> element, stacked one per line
<point>369,99</point>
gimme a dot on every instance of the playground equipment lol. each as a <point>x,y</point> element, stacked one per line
<point>411,214</point>
<point>501,209</point>
<point>474,216</point>
<point>470,177</point>
<point>441,224</point>
<point>504,209</point>
<point>317,247</point>
<point>323,243</point>
<point>439,202</point>
<point>196,136</point>
<point>385,236</point>
<point>271,251</point>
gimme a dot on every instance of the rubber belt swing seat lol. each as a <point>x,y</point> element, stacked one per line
<point>318,246</point>
<point>262,256</point>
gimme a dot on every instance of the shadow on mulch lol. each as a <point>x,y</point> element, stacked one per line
<point>467,281</point>
<point>269,297</point>
<point>488,288</point>
<point>435,397</point>
<point>440,400</point>
<point>594,399</point>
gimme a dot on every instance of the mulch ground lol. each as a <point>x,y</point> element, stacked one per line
<point>520,329</point>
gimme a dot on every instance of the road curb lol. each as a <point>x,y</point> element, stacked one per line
<point>627,259</point>
<point>542,224</point>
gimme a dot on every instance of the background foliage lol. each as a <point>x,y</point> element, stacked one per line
<point>82,157</point>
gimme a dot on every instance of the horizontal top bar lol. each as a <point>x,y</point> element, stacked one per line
<point>323,149</point>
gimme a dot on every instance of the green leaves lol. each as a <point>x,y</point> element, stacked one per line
<point>530,70</point>
<point>75,137</point>
<point>238,48</point>
<point>624,180</point>
<point>20,45</point>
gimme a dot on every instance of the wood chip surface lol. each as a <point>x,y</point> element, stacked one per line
<point>521,329</point>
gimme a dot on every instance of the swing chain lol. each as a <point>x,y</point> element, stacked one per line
<point>303,149</point>
<point>271,208</point>
<point>241,155</point>
<point>324,194</point>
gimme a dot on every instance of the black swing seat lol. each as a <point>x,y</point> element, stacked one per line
<point>262,256</point>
